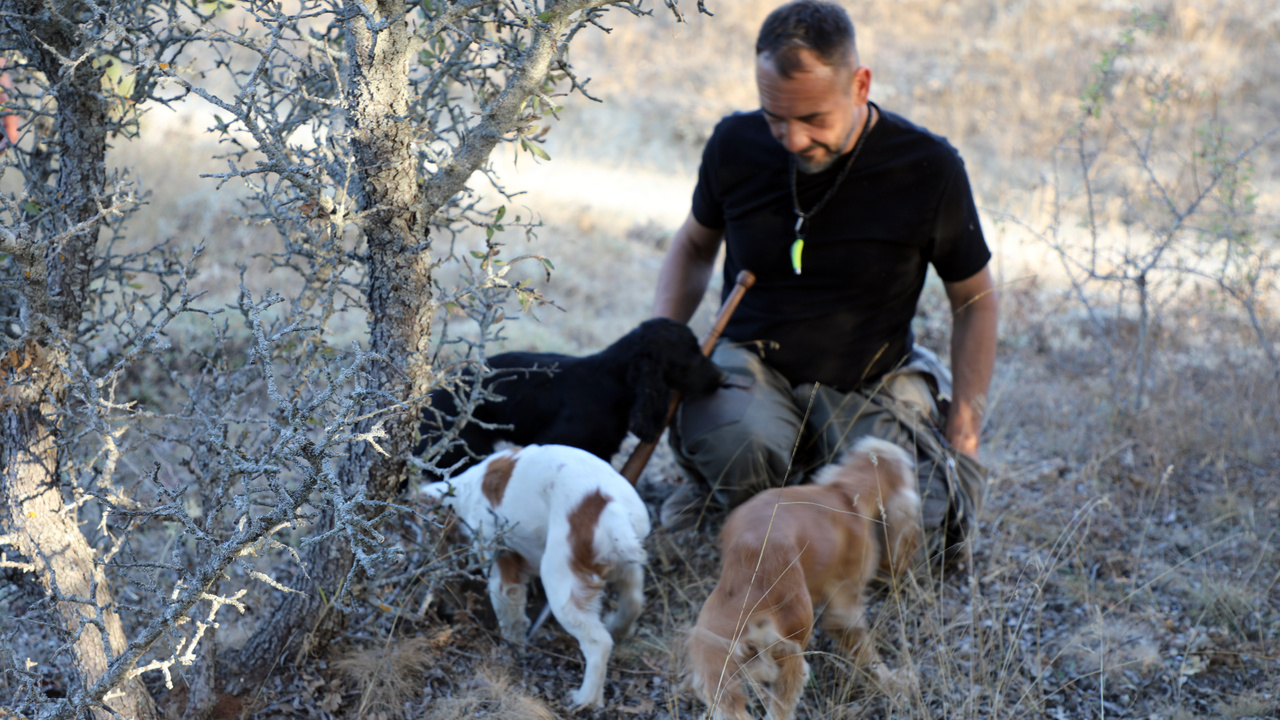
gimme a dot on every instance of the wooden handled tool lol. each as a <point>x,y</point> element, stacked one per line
<point>640,456</point>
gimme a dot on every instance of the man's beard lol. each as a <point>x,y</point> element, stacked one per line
<point>811,167</point>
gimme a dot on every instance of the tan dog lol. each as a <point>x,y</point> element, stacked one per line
<point>788,550</point>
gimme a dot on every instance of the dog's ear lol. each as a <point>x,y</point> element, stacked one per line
<point>683,364</point>
<point>652,398</point>
<point>699,376</point>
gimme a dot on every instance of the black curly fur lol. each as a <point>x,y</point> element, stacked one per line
<point>588,402</point>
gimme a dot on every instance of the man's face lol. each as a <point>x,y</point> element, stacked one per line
<point>817,112</point>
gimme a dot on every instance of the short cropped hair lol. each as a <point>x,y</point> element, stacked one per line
<point>821,26</point>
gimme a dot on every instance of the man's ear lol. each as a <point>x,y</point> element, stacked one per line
<point>861,82</point>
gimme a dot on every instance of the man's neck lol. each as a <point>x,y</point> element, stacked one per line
<point>858,126</point>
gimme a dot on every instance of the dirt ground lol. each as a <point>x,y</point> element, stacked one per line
<point>1109,580</point>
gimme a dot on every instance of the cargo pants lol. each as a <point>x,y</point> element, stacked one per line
<point>758,432</point>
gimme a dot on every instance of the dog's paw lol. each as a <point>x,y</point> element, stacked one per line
<point>894,683</point>
<point>516,631</point>
<point>585,697</point>
<point>618,626</point>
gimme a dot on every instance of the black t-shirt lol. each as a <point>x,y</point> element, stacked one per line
<point>846,319</point>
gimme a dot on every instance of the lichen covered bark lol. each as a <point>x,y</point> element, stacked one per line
<point>58,256</point>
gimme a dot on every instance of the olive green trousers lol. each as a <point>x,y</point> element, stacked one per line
<point>758,432</point>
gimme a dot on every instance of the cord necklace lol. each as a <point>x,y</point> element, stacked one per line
<point>802,217</point>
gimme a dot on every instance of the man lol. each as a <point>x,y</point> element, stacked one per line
<point>837,207</point>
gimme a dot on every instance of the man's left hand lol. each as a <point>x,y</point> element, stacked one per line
<point>974,314</point>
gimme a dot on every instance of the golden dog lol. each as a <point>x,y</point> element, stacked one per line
<point>788,550</point>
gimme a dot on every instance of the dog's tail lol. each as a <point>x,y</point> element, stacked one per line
<point>618,539</point>
<point>899,500</point>
<point>720,668</point>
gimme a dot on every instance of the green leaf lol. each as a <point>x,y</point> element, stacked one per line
<point>497,217</point>
<point>31,207</point>
<point>538,152</point>
<point>547,264</point>
<point>546,16</point>
<point>478,255</point>
<point>488,232</point>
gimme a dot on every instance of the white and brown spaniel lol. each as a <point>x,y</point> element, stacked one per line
<point>566,515</point>
<point>788,550</point>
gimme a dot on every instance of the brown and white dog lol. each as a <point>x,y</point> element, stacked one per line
<point>788,550</point>
<point>565,515</point>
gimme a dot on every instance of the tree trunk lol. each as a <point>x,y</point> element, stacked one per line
<point>396,213</point>
<point>399,302</point>
<point>399,293</point>
<point>46,531</point>
<point>57,268</point>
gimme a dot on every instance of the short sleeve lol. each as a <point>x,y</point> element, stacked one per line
<point>959,250</point>
<point>708,207</point>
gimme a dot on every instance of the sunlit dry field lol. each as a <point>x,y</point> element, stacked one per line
<point>1127,563</point>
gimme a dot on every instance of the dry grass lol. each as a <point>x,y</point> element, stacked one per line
<point>491,695</point>
<point>389,675</point>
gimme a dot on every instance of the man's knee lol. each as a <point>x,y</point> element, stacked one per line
<point>739,439</point>
<point>736,460</point>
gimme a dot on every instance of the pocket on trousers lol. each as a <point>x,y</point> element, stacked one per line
<point>706,413</point>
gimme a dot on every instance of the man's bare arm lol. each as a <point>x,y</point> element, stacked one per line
<point>686,270</point>
<point>973,356</point>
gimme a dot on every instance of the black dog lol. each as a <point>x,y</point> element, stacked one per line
<point>588,402</point>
